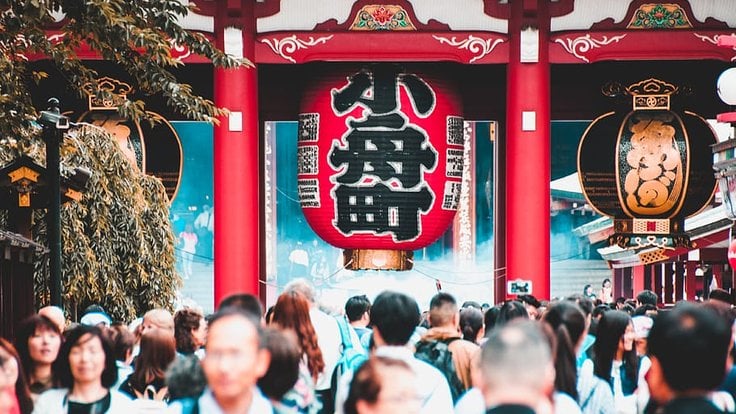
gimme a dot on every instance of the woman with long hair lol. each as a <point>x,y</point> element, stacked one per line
<point>38,342</point>
<point>616,362</point>
<point>291,312</point>
<point>567,323</point>
<point>14,379</point>
<point>190,330</point>
<point>87,372</point>
<point>158,351</point>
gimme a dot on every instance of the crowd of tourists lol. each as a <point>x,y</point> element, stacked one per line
<point>570,355</point>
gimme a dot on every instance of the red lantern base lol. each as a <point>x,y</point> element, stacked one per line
<point>372,259</point>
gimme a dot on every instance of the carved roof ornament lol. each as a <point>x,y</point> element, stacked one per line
<point>659,16</point>
<point>382,17</point>
<point>110,94</point>
<point>649,94</point>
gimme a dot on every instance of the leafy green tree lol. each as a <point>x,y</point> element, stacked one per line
<point>118,242</point>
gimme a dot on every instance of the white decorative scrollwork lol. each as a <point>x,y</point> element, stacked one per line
<point>714,40</point>
<point>288,45</point>
<point>181,52</point>
<point>581,45</point>
<point>476,45</point>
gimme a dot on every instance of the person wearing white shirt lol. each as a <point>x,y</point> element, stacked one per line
<point>394,317</point>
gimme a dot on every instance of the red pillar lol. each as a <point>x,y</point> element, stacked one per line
<point>528,149</point>
<point>236,163</point>
<point>637,276</point>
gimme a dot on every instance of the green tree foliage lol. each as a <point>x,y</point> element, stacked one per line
<point>136,34</point>
<point>118,246</point>
<point>118,242</point>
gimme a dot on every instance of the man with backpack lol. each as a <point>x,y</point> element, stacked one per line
<point>394,317</point>
<point>443,346</point>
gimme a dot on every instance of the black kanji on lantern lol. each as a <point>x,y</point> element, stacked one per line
<point>392,153</point>
<point>380,209</point>
<point>385,145</point>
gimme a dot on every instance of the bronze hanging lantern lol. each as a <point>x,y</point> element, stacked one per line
<point>648,168</point>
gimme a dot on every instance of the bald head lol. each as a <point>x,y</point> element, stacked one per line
<point>158,319</point>
<point>517,356</point>
<point>55,314</point>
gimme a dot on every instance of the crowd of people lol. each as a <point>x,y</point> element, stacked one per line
<point>570,355</point>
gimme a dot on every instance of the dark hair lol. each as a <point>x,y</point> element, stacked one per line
<point>22,392</point>
<point>93,308</point>
<point>620,300</point>
<point>611,328</point>
<point>600,310</point>
<point>185,320</point>
<point>185,378</point>
<point>122,340</point>
<point>356,306</point>
<point>643,309</point>
<point>441,299</point>
<point>529,300</point>
<point>269,315</point>
<point>395,315</point>
<point>586,287</point>
<point>442,309</point>
<point>27,329</point>
<point>283,371</point>
<point>568,324</point>
<point>584,302</point>
<point>489,319</point>
<point>722,295</point>
<point>687,331</point>
<point>243,301</point>
<point>158,351</point>
<point>366,383</point>
<point>511,310</point>
<point>471,304</point>
<point>604,281</point>
<point>628,309</point>
<point>73,336</point>
<point>471,322</point>
<point>647,296</point>
<point>291,311</point>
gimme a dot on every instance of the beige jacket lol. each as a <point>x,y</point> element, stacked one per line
<point>463,352</point>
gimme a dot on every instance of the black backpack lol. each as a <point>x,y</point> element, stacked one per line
<point>438,354</point>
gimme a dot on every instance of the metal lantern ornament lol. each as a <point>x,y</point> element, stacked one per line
<point>649,168</point>
<point>380,161</point>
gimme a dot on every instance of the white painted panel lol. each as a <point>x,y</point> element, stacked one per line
<point>305,14</point>
<point>234,42</point>
<point>587,12</point>
<point>458,14</point>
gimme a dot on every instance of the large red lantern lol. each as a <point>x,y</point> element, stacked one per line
<point>380,161</point>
